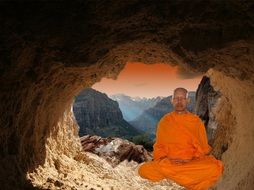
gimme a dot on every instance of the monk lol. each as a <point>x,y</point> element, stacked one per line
<point>181,150</point>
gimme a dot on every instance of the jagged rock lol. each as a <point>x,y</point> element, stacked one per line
<point>115,150</point>
<point>206,97</point>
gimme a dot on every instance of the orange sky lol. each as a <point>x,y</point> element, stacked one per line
<point>143,80</point>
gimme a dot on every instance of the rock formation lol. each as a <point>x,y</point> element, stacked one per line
<point>205,100</point>
<point>97,114</point>
<point>115,150</point>
<point>50,51</point>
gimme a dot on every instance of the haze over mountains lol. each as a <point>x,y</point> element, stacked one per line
<point>132,107</point>
<point>148,120</point>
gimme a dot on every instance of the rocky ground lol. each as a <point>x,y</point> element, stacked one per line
<point>91,172</point>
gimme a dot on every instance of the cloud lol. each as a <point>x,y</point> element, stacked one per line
<point>141,84</point>
<point>183,73</point>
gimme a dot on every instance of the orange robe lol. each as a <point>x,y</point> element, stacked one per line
<point>182,136</point>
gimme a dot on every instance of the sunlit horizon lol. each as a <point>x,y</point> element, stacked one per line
<point>148,81</point>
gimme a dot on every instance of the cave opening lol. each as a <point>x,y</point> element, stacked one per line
<point>95,142</point>
<point>143,94</point>
<point>139,97</point>
<point>220,142</point>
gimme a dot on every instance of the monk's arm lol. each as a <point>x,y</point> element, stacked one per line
<point>203,138</point>
<point>159,148</point>
<point>159,151</point>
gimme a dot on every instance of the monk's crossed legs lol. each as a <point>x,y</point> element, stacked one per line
<point>197,174</point>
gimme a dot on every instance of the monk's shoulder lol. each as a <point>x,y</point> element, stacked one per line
<point>163,122</point>
<point>194,117</point>
<point>165,117</point>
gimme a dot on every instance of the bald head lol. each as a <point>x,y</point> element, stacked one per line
<point>181,90</point>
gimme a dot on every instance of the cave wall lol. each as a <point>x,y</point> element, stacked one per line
<point>234,139</point>
<point>51,51</point>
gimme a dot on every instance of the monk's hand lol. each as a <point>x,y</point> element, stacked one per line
<point>161,158</point>
<point>180,161</point>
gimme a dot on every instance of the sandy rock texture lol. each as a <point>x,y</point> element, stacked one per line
<point>234,139</point>
<point>50,51</point>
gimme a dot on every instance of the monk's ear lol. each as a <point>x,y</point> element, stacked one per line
<point>188,100</point>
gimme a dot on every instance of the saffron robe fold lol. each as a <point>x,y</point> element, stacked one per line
<point>182,137</point>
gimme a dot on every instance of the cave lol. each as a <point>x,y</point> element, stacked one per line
<point>50,51</point>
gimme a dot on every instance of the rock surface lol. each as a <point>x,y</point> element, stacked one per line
<point>115,150</point>
<point>50,51</point>
<point>205,100</point>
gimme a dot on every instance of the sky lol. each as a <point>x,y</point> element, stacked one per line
<point>148,80</point>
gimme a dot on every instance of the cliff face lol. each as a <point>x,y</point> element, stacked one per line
<point>51,51</point>
<point>205,100</point>
<point>97,114</point>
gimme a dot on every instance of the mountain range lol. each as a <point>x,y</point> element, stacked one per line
<point>97,114</point>
<point>132,107</point>
<point>120,115</point>
<point>148,120</point>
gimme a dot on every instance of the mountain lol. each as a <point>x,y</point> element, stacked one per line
<point>132,107</point>
<point>97,114</point>
<point>148,120</point>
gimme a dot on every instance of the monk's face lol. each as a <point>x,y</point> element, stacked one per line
<point>180,101</point>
